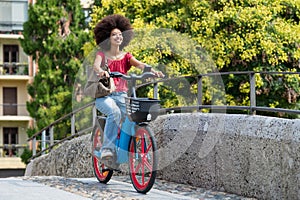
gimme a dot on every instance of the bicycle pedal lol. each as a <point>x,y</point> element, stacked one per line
<point>105,170</point>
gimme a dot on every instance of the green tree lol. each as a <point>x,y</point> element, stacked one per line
<point>239,35</point>
<point>159,44</point>
<point>54,36</point>
<point>244,35</point>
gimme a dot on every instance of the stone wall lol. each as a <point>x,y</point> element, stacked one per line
<point>253,156</point>
<point>71,159</point>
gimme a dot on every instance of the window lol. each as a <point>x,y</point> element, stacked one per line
<point>11,53</point>
<point>10,105</point>
<point>10,58</point>
<point>10,139</point>
<point>13,13</point>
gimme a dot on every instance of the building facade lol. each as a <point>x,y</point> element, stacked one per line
<point>16,71</point>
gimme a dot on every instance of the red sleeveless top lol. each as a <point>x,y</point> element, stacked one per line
<point>122,66</point>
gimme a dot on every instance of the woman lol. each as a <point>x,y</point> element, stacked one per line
<point>112,34</point>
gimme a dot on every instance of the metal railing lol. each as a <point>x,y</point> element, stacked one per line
<point>50,128</point>
<point>14,68</point>
<point>252,108</point>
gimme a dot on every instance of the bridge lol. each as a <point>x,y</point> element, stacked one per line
<point>240,154</point>
<point>53,187</point>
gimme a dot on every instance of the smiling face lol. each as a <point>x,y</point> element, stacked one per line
<point>116,37</point>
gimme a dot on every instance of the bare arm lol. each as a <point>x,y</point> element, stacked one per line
<point>137,63</point>
<point>97,68</point>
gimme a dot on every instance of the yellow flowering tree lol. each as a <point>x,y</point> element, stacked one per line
<point>239,35</point>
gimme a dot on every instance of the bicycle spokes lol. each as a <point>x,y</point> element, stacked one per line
<point>141,160</point>
<point>102,173</point>
<point>144,157</point>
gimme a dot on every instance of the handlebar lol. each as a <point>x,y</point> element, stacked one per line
<point>145,75</point>
<point>133,77</point>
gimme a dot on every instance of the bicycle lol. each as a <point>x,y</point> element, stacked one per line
<point>138,148</point>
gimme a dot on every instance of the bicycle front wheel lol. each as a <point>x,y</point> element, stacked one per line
<point>142,159</point>
<point>102,173</point>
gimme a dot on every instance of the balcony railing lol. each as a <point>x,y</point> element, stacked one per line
<point>10,109</point>
<point>14,69</point>
<point>12,150</point>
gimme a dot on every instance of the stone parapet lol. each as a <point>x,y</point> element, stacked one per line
<point>71,159</point>
<point>252,156</point>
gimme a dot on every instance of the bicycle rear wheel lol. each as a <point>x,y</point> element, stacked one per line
<point>102,173</point>
<point>142,159</point>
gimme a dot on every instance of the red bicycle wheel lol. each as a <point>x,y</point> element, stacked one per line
<point>102,173</point>
<point>142,159</point>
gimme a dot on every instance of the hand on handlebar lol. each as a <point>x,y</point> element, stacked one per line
<point>159,74</point>
<point>148,68</point>
<point>103,74</point>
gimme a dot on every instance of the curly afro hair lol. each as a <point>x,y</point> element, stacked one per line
<point>107,24</point>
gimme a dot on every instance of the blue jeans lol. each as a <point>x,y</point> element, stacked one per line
<point>114,107</point>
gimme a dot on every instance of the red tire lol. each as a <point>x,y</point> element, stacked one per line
<point>142,159</point>
<point>102,173</point>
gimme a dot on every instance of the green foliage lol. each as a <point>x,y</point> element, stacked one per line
<point>239,35</point>
<point>179,37</point>
<point>158,44</point>
<point>255,36</point>
<point>26,155</point>
<point>59,56</point>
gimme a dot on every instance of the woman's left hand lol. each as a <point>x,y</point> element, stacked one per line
<point>159,74</point>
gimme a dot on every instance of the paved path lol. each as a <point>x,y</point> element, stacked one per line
<point>56,188</point>
<point>18,189</point>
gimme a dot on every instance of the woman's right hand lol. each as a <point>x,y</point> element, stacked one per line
<point>103,74</point>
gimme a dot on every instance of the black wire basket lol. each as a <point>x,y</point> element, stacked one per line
<point>142,109</point>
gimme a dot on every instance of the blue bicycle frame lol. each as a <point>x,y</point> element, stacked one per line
<point>122,142</point>
<point>128,127</point>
